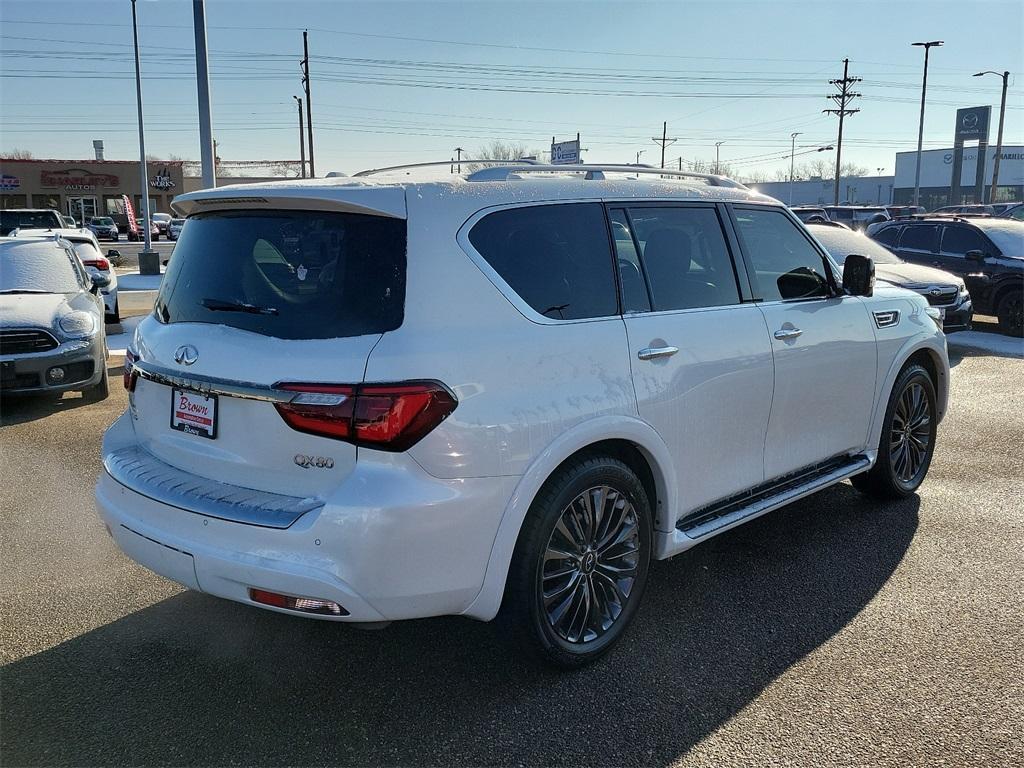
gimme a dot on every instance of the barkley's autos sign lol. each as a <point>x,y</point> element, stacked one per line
<point>74,179</point>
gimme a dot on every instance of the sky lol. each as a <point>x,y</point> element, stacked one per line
<point>410,81</point>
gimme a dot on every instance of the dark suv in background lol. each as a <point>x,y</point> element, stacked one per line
<point>987,253</point>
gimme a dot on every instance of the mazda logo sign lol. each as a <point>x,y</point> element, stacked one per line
<point>970,120</point>
<point>186,354</point>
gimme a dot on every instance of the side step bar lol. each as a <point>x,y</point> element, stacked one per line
<point>729,513</point>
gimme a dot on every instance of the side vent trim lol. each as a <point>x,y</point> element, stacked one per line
<point>887,318</point>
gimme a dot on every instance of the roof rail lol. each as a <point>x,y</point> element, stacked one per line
<point>372,171</point>
<point>596,172</point>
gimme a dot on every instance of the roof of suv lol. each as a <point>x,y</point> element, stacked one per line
<point>386,194</point>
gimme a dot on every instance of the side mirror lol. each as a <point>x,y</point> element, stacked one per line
<point>99,281</point>
<point>858,275</point>
<point>978,256</point>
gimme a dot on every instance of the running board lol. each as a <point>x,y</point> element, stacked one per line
<point>729,513</point>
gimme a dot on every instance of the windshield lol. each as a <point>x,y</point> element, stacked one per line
<point>103,222</point>
<point>177,222</point>
<point>10,220</point>
<point>288,274</point>
<point>1008,235</point>
<point>840,243</point>
<point>38,268</point>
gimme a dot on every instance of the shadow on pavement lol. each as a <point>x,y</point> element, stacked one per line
<point>20,409</point>
<point>194,680</point>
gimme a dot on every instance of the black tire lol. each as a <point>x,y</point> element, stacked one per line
<point>1010,312</point>
<point>100,390</point>
<point>902,462</point>
<point>115,316</point>
<point>618,569</point>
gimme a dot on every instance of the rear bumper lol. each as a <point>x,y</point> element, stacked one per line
<point>392,543</point>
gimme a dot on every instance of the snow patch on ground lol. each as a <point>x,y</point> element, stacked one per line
<point>993,343</point>
<point>117,343</point>
<point>134,281</point>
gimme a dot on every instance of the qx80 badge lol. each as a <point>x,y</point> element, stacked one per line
<point>314,462</point>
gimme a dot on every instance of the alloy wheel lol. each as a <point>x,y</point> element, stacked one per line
<point>910,435</point>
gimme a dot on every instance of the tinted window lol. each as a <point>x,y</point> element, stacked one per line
<point>685,256</point>
<point>303,275</point>
<point>10,220</point>
<point>556,257</point>
<point>634,288</point>
<point>888,236</point>
<point>786,265</point>
<point>957,241</point>
<point>919,237</point>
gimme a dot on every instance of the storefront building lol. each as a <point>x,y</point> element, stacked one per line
<point>88,187</point>
<point>937,167</point>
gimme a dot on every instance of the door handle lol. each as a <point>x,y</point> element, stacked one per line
<point>785,334</point>
<point>653,353</point>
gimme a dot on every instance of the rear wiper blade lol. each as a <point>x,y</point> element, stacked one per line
<point>219,305</point>
<point>24,290</point>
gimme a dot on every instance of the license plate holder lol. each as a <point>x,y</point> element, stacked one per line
<point>193,413</point>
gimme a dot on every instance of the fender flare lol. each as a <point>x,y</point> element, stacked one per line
<point>612,427</point>
<point>936,346</point>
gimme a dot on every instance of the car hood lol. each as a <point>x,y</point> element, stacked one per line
<point>32,310</point>
<point>914,274</point>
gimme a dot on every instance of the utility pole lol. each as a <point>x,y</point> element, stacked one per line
<point>638,155</point>
<point>664,141</point>
<point>680,163</point>
<point>920,126</point>
<point>458,160</point>
<point>203,87</point>
<point>149,260</point>
<point>717,166</point>
<point>309,99</point>
<point>999,138</point>
<point>792,154</point>
<point>302,137</point>
<point>842,100</point>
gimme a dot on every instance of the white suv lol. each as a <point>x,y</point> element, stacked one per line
<point>369,399</point>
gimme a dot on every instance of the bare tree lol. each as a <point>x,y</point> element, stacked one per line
<point>500,150</point>
<point>18,154</point>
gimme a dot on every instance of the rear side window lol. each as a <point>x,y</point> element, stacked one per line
<point>288,274</point>
<point>920,237</point>
<point>556,257</point>
<point>786,265</point>
<point>888,236</point>
<point>956,241</point>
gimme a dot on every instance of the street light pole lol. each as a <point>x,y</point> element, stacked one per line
<point>458,152</point>
<point>999,138</point>
<point>792,154</point>
<point>302,138</point>
<point>143,172</point>
<point>206,151</point>
<point>717,145</point>
<point>920,128</point>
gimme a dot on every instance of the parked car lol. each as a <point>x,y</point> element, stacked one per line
<point>896,211</point>
<point>1015,212</point>
<point>174,228</point>
<point>51,320</point>
<point>104,228</point>
<point>161,220</point>
<point>69,222</point>
<point>857,216</point>
<point>154,230</point>
<point>29,218</point>
<point>986,253</point>
<point>369,399</point>
<point>808,213</point>
<point>87,248</point>
<point>943,290</point>
<point>983,210</point>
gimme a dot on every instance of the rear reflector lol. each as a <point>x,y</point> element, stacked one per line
<point>130,377</point>
<point>388,417</point>
<point>304,604</point>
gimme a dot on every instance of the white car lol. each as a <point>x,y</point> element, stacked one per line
<point>368,399</point>
<point>88,249</point>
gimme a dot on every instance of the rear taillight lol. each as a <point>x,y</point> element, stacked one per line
<point>388,417</point>
<point>130,377</point>
<point>100,263</point>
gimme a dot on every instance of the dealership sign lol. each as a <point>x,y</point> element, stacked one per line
<point>75,179</point>
<point>162,180</point>
<point>8,182</point>
<point>972,123</point>
<point>937,167</point>
<point>565,152</point>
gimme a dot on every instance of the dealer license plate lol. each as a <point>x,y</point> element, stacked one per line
<point>194,413</point>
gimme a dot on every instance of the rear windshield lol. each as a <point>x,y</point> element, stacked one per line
<point>29,220</point>
<point>288,274</point>
<point>103,222</point>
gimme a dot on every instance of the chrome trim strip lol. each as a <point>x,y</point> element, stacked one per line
<point>139,471</point>
<point>209,385</point>
<point>886,318</point>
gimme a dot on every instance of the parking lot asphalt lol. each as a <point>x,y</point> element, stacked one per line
<point>838,631</point>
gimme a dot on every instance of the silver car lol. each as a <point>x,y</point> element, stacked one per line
<point>52,337</point>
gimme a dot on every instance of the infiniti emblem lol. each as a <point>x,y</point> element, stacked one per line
<point>186,354</point>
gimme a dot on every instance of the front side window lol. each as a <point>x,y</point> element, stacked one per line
<point>920,237</point>
<point>958,240</point>
<point>288,274</point>
<point>556,257</point>
<point>786,265</point>
<point>686,258</point>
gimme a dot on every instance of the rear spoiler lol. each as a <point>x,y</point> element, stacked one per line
<point>345,196</point>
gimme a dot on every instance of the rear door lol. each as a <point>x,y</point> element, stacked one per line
<point>823,345</point>
<point>957,240</point>
<point>252,300</point>
<point>702,365</point>
<point>919,243</point>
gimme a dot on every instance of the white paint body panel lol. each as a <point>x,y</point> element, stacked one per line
<point>431,531</point>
